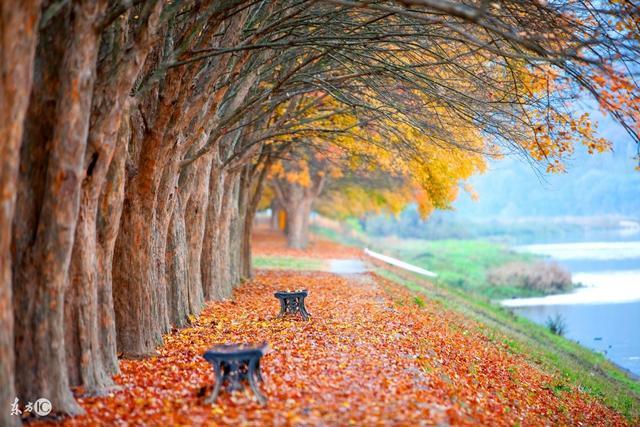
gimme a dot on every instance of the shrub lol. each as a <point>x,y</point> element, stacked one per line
<point>556,324</point>
<point>545,277</point>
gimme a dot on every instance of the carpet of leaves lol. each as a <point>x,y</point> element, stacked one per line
<point>369,356</point>
<point>271,243</point>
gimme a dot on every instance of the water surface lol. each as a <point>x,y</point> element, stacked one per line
<point>604,313</point>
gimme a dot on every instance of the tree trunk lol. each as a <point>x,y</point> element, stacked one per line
<point>225,285</point>
<point>82,342</point>
<point>195,217</point>
<point>247,258</point>
<point>177,252</point>
<point>91,350</point>
<point>109,212</point>
<point>298,212</point>
<point>210,262</point>
<point>38,127</point>
<point>139,296</point>
<point>235,228</point>
<point>166,202</point>
<point>44,267</point>
<point>176,268</point>
<point>135,301</point>
<point>244,202</point>
<point>297,201</point>
<point>215,255</point>
<point>275,215</point>
<point>18,36</point>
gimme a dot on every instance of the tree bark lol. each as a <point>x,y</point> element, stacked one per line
<point>174,195</point>
<point>216,259</point>
<point>185,244</point>
<point>225,284</point>
<point>176,268</point>
<point>237,200</point>
<point>38,128</point>
<point>210,261</point>
<point>137,320</point>
<point>139,296</point>
<point>195,217</point>
<point>110,206</point>
<point>298,211</point>
<point>165,204</point>
<point>244,201</point>
<point>18,37</point>
<point>44,267</point>
<point>90,323</point>
<point>297,201</point>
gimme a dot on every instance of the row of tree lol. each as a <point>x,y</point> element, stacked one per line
<point>136,137</point>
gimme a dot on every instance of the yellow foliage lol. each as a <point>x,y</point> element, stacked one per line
<point>430,168</point>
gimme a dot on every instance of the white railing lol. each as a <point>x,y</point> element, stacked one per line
<point>401,264</point>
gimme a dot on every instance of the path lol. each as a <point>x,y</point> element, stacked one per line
<point>347,266</point>
<point>372,354</point>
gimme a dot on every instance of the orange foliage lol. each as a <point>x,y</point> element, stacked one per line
<point>362,359</point>
<point>369,356</point>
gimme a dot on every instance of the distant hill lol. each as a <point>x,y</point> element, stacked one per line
<point>599,184</point>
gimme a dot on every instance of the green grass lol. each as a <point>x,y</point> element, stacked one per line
<point>288,263</point>
<point>462,263</point>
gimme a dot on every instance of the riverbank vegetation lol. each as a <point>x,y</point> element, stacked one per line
<point>546,277</point>
<point>490,269</point>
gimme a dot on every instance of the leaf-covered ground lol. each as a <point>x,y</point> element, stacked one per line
<point>269,243</point>
<point>372,354</point>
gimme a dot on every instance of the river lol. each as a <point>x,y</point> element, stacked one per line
<point>604,313</point>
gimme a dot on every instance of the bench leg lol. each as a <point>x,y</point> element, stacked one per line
<point>252,382</point>
<point>258,372</point>
<point>216,389</point>
<point>303,309</point>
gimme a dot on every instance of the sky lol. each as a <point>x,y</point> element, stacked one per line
<point>599,184</point>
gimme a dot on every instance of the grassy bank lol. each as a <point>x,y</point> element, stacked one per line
<point>461,287</point>
<point>288,263</point>
<point>461,264</point>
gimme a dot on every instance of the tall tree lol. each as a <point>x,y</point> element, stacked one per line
<point>17,52</point>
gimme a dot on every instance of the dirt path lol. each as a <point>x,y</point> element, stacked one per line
<point>371,355</point>
<point>347,266</point>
